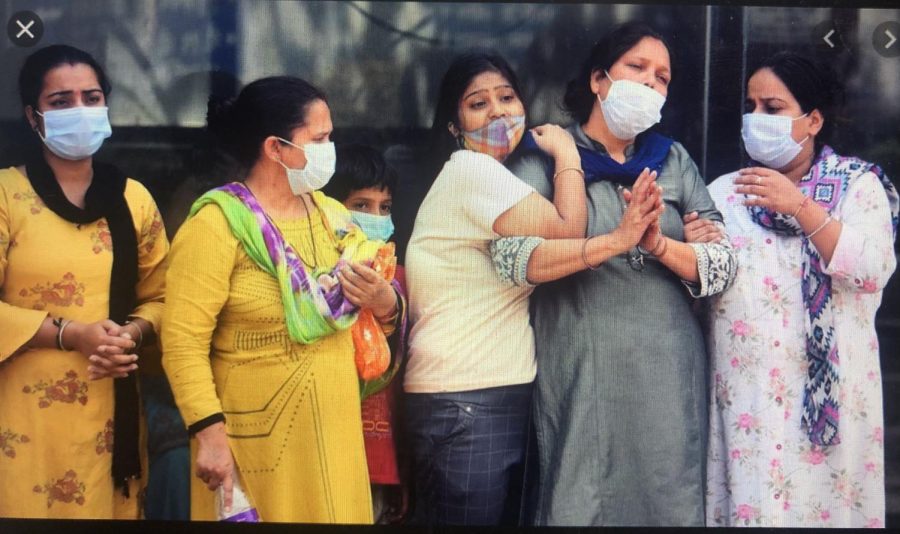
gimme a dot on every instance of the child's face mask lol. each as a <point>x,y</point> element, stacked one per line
<point>380,227</point>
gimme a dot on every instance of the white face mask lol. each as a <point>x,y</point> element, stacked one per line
<point>320,160</point>
<point>630,108</point>
<point>767,139</point>
<point>75,133</point>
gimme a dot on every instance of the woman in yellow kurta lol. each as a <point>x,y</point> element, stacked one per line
<point>255,336</point>
<point>72,311</point>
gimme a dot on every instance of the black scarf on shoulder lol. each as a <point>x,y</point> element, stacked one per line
<point>105,198</point>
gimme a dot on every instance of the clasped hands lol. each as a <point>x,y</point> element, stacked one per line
<point>640,221</point>
<point>109,347</point>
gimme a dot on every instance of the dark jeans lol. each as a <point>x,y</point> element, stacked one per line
<point>469,451</point>
<point>169,486</point>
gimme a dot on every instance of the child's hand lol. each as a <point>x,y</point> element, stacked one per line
<point>367,289</point>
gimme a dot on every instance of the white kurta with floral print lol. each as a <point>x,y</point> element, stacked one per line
<point>762,468</point>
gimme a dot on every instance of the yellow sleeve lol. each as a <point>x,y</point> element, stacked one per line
<point>198,284</point>
<point>153,245</point>
<point>17,324</point>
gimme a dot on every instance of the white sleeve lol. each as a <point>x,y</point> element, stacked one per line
<point>863,259</point>
<point>484,187</point>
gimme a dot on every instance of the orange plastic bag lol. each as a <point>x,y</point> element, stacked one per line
<point>373,355</point>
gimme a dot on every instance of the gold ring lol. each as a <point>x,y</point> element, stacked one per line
<point>758,180</point>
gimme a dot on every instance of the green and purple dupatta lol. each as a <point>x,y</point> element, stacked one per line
<point>311,311</point>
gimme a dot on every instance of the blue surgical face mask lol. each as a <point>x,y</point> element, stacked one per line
<point>379,227</point>
<point>75,133</point>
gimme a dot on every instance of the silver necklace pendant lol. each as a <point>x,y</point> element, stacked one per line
<point>636,260</point>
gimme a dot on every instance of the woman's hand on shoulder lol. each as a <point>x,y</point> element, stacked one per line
<point>697,230</point>
<point>558,143</point>
<point>768,188</point>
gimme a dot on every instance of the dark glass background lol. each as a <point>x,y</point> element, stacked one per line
<point>380,63</point>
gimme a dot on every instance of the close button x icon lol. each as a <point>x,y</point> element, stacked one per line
<point>25,28</point>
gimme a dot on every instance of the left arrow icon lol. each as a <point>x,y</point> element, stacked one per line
<point>827,39</point>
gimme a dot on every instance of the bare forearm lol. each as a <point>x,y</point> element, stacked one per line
<point>557,258</point>
<point>44,338</point>
<point>811,218</point>
<point>569,196</point>
<point>48,335</point>
<point>680,258</point>
<point>141,331</point>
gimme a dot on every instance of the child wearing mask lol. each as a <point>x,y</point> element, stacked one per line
<point>364,184</point>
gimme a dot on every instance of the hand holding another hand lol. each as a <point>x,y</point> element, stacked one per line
<point>108,346</point>
<point>697,230</point>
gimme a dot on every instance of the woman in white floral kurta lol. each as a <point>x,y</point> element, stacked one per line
<point>764,468</point>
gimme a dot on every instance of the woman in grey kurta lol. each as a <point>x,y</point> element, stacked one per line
<point>620,401</point>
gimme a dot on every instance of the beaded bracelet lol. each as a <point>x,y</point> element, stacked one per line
<point>576,169</point>
<point>584,254</point>
<point>823,225</point>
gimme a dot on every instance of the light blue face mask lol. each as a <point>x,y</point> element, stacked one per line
<point>379,227</point>
<point>75,133</point>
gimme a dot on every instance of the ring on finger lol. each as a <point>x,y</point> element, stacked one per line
<point>758,180</point>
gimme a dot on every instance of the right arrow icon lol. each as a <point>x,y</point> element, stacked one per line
<point>885,37</point>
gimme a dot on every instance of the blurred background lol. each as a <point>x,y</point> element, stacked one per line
<point>381,62</point>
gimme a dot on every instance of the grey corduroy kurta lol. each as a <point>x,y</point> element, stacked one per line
<point>620,398</point>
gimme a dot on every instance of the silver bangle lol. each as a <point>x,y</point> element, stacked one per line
<point>140,339</point>
<point>59,334</point>
<point>584,257</point>
<point>576,169</point>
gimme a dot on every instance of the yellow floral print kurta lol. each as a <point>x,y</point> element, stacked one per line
<point>55,424</point>
<point>292,410</point>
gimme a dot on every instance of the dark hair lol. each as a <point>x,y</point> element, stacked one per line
<point>359,167</point>
<point>268,106</point>
<point>813,84</point>
<point>38,64</point>
<point>459,75</point>
<point>579,99</point>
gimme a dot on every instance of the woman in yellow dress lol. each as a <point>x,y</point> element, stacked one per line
<point>81,286</point>
<point>256,344</point>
